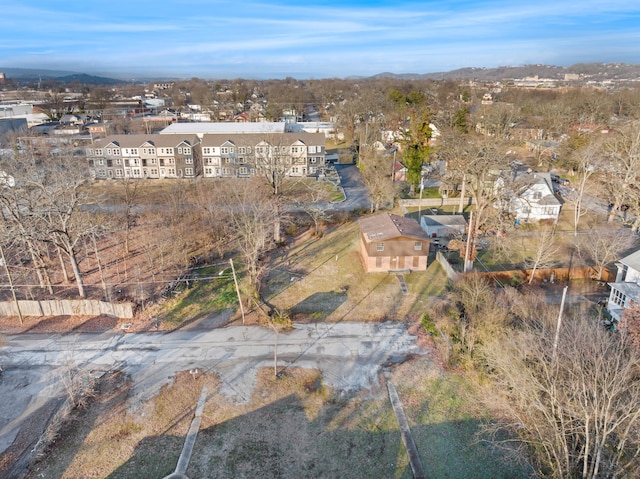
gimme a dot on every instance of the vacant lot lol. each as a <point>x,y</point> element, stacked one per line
<point>293,427</point>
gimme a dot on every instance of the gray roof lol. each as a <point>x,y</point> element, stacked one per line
<point>388,226</point>
<point>443,220</point>
<point>136,141</point>
<point>632,260</point>
<point>630,290</point>
<point>252,139</point>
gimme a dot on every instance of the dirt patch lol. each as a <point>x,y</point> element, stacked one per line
<point>59,324</point>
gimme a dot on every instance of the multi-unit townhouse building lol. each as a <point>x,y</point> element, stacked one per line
<point>208,151</point>
<point>144,156</point>
<point>243,155</point>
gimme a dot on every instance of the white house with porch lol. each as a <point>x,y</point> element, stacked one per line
<point>626,289</point>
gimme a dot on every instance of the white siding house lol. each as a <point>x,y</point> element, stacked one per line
<point>626,289</point>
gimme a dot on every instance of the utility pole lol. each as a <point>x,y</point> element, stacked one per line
<point>555,341</point>
<point>235,280</point>
<point>467,263</point>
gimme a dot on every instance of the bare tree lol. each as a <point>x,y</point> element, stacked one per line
<point>45,204</point>
<point>129,196</point>
<point>250,220</point>
<point>376,175</point>
<point>314,207</point>
<point>578,414</point>
<point>623,151</point>
<point>474,164</point>
<point>601,248</point>
<point>543,252</point>
<point>588,160</point>
<point>477,315</point>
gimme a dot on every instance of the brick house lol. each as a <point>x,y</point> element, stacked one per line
<point>390,242</point>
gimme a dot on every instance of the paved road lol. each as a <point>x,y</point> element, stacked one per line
<point>349,355</point>
<point>357,195</point>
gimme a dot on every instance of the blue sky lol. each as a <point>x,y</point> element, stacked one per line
<point>312,39</point>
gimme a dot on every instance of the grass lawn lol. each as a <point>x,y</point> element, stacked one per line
<point>210,293</point>
<point>323,279</point>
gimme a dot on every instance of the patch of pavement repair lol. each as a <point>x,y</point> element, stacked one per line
<point>349,356</point>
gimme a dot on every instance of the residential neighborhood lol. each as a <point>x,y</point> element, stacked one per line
<point>331,253</point>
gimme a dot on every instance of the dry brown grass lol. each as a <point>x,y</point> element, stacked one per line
<point>291,427</point>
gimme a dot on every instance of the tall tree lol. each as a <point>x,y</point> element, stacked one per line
<point>623,152</point>
<point>578,413</point>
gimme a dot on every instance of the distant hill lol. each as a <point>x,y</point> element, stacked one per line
<point>595,71</point>
<point>29,75</point>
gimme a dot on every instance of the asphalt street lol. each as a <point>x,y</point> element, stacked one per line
<point>349,356</point>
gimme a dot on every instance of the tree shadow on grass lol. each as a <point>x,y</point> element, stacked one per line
<point>317,307</point>
<point>281,441</point>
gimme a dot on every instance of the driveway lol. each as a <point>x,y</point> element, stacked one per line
<point>349,355</point>
<point>356,193</point>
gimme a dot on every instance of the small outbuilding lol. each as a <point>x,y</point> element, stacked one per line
<point>443,226</point>
<point>390,242</point>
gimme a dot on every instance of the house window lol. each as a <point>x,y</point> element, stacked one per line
<point>417,246</point>
<point>243,170</point>
<point>313,159</point>
<point>118,161</point>
<point>248,149</point>
<point>224,150</point>
<point>242,150</point>
<point>619,298</point>
<point>188,160</point>
<point>537,195</point>
<point>379,246</point>
<point>119,173</point>
<point>188,171</point>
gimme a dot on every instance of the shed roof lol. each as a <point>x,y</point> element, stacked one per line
<point>443,220</point>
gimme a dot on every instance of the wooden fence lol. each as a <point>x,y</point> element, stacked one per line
<point>67,307</point>
<point>518,276</point>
